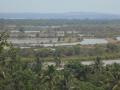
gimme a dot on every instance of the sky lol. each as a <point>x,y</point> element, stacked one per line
<point>59,6</point>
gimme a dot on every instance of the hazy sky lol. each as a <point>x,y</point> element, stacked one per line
<point>55,6</point>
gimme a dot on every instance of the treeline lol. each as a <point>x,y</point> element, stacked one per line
<point>52,22</point>
<point>109,51</point>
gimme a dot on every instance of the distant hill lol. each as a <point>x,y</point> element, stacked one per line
<point>71,15</point>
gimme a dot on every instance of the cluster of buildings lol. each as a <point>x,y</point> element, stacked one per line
<point>36,35</point>
<point>49,36</point>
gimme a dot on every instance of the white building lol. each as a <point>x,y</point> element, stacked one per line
<point>93,41</point>
<point>60,33</point>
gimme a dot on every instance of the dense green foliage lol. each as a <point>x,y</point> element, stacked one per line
<point>16,74</point>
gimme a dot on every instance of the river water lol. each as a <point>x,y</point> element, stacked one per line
<point>105,62</point>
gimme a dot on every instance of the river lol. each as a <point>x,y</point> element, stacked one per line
<point>105,62</point>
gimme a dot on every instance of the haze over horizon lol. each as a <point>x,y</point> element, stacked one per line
<point>60,6</point>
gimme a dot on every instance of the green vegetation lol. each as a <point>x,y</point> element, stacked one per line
<point>24,69</point>
<point>18,74</point>
<point>98,28</point>
<point>72,53</point>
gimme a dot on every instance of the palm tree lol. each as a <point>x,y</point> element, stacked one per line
<point>38,63</point>
<point>66,80</point>
<point>58,61</point>
<point>98,65</point>
<point>49,77</point>
<point>114,80</point>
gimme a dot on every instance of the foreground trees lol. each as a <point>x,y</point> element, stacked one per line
<point>17,74</point>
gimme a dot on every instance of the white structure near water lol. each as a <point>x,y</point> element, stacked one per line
<point>93,41</point>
